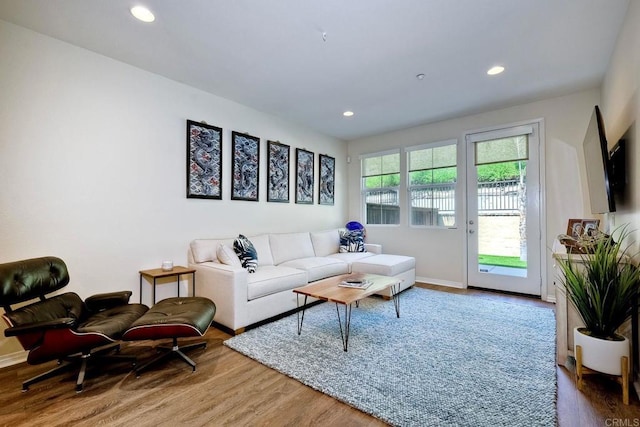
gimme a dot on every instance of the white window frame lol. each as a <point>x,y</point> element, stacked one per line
<point>410,188</point>
<point>364,191</point>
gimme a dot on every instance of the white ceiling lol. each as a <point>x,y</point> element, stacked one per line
<point>270,55</point>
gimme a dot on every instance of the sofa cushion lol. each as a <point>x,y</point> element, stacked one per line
<point>386,265</point>
<point>350,257</point>
<point>326,242</point>
<point>319,267</point>
<point>246,252</point>
<point>288,246</point>
<point>263,248</point>
<point>351,241</point>
<point>270,279</point>
<point>226,255</point>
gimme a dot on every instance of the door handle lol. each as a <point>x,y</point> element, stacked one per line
<point>472,231</point>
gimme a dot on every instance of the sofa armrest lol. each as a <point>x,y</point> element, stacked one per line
<point>226,286</point>
<point>373,248</point>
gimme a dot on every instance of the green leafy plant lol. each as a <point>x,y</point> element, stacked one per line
<point>604,288</point>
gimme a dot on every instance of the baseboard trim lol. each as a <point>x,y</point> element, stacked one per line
<point>13,359</point>
<point>439,282</point>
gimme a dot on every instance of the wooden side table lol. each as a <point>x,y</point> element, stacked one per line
<point>158,273</point>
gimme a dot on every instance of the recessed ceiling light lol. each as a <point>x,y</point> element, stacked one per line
<point>348,113</point>
<point>495,70</point>
<point>420,76</point>
<point>143,14</point>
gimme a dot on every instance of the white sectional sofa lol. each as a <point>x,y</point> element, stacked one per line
<point>285,261</point>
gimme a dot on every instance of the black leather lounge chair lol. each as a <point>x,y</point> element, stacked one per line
<point>62,327</point>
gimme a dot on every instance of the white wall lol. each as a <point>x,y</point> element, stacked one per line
<point>621,113</point>
<point>439,253</point>
<point>93,158</point>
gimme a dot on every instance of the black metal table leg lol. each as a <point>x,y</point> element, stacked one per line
<point>300,318</point>
<point>344,332</point>
<point>395,295</point>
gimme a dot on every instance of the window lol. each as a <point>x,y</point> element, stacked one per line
<point>431,184</point>
<point>380,187</point>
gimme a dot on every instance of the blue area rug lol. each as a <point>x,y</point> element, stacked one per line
<point>449,360</point>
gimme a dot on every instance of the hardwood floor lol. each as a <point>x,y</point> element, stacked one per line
<point>232,390</point>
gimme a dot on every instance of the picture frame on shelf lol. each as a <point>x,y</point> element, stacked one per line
<point>590,225</point>
<point>574,228</point>
<point>577,227</point>
<point>278,172</point>
<point>204,161</point>
<point>326,179</point>
<point>245,167</point>
<point>304,176</point>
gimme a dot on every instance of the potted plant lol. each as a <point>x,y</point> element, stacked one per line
<point>602,285</point>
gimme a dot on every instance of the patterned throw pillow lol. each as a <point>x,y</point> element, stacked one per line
<point>352,241</point>
<point>246,252</point>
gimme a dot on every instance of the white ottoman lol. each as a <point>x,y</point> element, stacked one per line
<point>400,266</point>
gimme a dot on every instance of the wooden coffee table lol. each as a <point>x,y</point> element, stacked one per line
<point>328,290</point>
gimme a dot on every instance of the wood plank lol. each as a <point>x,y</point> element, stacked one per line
<point>328,289</point>
<point>159,272</point>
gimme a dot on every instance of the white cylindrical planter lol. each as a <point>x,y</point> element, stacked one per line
<point>601,355</point>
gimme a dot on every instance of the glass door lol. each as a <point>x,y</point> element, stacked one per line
<point>503,210</point>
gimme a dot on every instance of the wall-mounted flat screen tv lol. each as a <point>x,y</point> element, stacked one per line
<point>599,173</point>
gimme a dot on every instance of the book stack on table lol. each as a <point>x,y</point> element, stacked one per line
<point>355,283</point>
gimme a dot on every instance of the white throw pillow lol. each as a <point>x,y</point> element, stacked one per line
<point>226,255</point>
<point>326,242</point>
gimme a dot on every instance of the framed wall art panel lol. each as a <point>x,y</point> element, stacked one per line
<point>326,180</point>
<point>204,161</point>
<point>245,167</point>
<point>278,172</point>
<point>304,176</point>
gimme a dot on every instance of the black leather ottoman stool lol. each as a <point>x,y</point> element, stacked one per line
<point>173,318</point>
